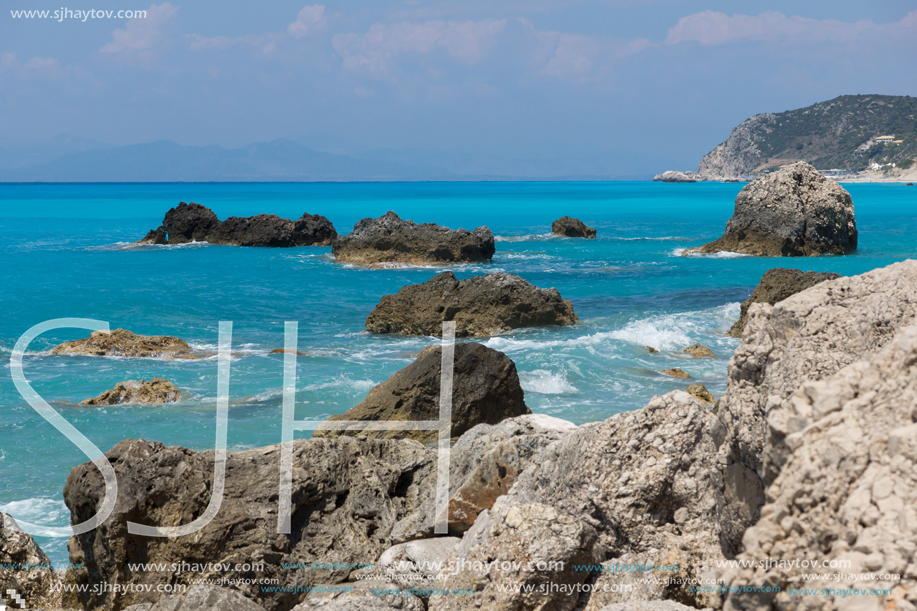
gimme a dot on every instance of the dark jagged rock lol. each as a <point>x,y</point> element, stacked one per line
<point>486,390</point>
<point>348,496</point>
<point>196,223</point>
<point>572,228</point>
<point>156,390</point>
<point>793,212</point>
<point>388,239</point>
<point>122,342</point>
<point>480,306</point>
<point>25,569</point>
<point>776,285</point>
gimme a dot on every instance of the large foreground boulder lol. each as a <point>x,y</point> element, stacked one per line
<point>805,338</point>
<point>25,569</point>
<point>572,228</point>
<point>485,390</point>
<point>196,223</point>
<point>348,496</point>
<point>155,391</point>
<point>480,306</point>
<point>794,212</point>
<point>642,484</point>
<point>776,285</point>
<point>122,342</point>
<point>845,496</point>
<point>388,239</point>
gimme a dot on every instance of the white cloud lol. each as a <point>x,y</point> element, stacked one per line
<point>713,28</point>
<point>373,52</point>
<point>141,34</point>
<point>310,18</point>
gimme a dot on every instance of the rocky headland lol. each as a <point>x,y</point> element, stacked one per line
<point>486,390</point>
<point>196,223</point>
<point>389,239</point>
<point>677,176</point>
<point>776,285</point>
<point>122,342</point>
<point>794,212</point>
<point>480,306</point>
<point>572,228</point>
<point>144,392</point>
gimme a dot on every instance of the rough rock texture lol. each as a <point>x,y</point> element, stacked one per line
<point>206,598</point>
<point>572,228</point>
<point>25,568</point>
<point>700,391</point>
<point>121,342</point>
<point>648,605</point>
<point>776,285</point>
<point>740,155</point>
<point>700,351</point>
<point>675,176</point>
<point>196,223</point>
<point>362,596</point>
<point>847,490</point>
<point>643,483</point>
<point>806,337</point>
<point>410,565</point>
<point>485,390</point>
<point>793,212</point>
<point>388,239</point>
<point>480,306</point>
<point>485,462</point>
<point>156,390</point>
<point>348,496</point>
<point>675,372</point>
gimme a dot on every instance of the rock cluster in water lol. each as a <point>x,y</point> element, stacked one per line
<point>480,306</point>
<point>155,391</point>
<point>776,285</point>
<point>388,239</point>
<point>793,212</point>
<point>486,390</point>
<point>572,228</point>
<point>196,223</point>
<point>122,342</point>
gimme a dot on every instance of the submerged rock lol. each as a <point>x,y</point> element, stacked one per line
<point>480,306</point>
<point>156,390</point>
<point>699,351</point>
<point>700,391</point>
<point>572,228</point>
<point>196,223</point>
<point>388,239</point>
<point>486,390</point>
<point>804,338</point>
<point>776,285</point>
<point>25,569</point>
<point>122,342</point>
<point>793,212</point>
<point>643,483</point>
<point>846,492</point>
<point>675,372</point>
<point>348,496</point>
<point>651,350</point>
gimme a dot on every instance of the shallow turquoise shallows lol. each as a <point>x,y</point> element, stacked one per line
<point>66,252</point>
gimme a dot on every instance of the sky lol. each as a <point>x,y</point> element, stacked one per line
<point>669,78</point>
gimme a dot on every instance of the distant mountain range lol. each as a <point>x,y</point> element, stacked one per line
<point>848,132</point>
<point>316,158</point>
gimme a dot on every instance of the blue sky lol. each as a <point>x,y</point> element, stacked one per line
<point>667,78</point>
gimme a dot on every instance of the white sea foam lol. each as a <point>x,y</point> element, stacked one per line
<point>40,516</point>
<point>544,382</point>
<point>526,238</point>
<point>678,252</point>
<point>342,382</point>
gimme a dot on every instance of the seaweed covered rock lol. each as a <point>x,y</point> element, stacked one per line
<point>480,306</point>
<point>776,285</point>
<point>486,390</point>
<point>793,212</point>
<point>196,223</point>
<point>389,239</point>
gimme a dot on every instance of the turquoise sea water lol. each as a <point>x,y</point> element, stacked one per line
<point>65,252</point>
